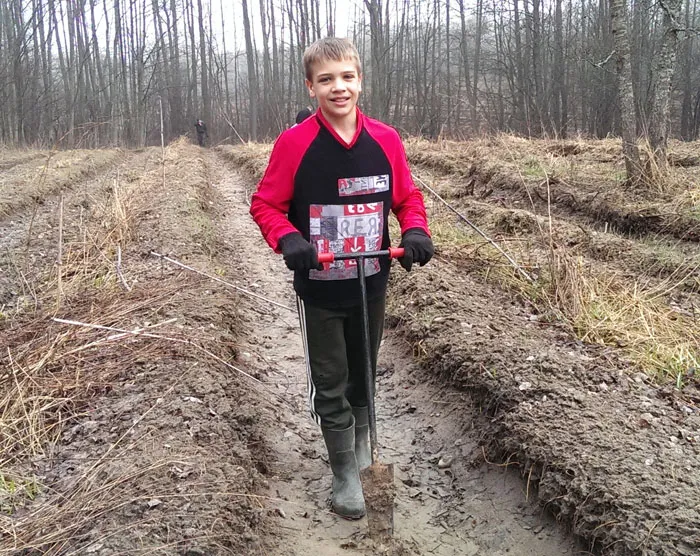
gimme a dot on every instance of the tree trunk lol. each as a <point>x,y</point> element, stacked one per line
<point>618,14</point>
<point>379,97</point>
<point>559,74</point>
<point>474,99</point>
<point>463,46</point>
<point>664,68</point>
<point>520,88</point>
<point>252,76</point>
<point>687,80</point>
<point>204,67</point>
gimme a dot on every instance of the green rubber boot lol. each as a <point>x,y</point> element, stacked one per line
<point>346,499</point>
<point>362,449</point>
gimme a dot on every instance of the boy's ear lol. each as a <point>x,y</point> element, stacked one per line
<point>309,86</point>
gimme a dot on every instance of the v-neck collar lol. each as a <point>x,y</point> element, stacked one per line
<point>329,127</point>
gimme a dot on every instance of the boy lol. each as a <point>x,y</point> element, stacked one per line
<point>329,186</point>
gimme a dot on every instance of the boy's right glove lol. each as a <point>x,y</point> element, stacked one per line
<point>418,248</point>
<point>298,253</point>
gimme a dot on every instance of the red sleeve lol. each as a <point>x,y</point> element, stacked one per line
<point>407,200</point>
<point>270,203</point>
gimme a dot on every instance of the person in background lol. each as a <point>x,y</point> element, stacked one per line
<point>303,114</point>
<point>202,132</point>
<point>330,186</point>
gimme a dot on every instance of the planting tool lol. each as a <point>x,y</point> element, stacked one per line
<point>378,478</point>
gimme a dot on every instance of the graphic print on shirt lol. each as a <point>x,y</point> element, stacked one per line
<point>363,185</point>
<point>346,229</point>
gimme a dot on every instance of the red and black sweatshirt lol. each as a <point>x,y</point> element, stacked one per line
<point>338,196</point>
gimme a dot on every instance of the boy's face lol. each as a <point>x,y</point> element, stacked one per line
<point>336,85</point>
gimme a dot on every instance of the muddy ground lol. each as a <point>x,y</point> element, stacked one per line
<point>183,429</point>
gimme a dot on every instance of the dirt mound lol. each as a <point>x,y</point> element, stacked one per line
<point>33,178</point>
<point>609,452</point>
<point>566,178</point>
<point>143,435</point>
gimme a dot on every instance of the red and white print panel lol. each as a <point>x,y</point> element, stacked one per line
<point>363,185</point>
<point>346,229</point>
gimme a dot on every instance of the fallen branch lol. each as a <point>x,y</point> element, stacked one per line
<point>475,228</point>
<point>229,284</point>
<point>185,341</point>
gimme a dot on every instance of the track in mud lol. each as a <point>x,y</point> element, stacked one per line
<point>449,502</point>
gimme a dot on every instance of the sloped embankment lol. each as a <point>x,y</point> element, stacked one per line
<point>607,451</point>
<point>131,438</point>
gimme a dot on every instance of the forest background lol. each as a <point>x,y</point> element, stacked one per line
<point>96,73</point>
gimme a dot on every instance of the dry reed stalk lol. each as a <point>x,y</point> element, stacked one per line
<point>602,310</point>
<point>119,269</point>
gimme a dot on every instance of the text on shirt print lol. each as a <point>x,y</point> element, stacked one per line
<point>363,185</point>
<point>346,229</point>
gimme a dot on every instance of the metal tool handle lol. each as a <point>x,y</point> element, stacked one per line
<point>392,253</point>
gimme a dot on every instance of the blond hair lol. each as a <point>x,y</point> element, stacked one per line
<point>330,48</point>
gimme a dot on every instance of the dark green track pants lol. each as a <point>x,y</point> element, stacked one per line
<point>334,349</point>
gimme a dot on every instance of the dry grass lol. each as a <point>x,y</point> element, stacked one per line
<point>50,372</point>
<point>11,157</point>
<point>28,183</point>
<point>52,375</point>
<point>252,158</point>
<point>660,339</point>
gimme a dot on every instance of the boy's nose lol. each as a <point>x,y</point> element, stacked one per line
<point>339,84</point>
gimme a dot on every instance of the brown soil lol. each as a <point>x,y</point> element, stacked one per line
<point>195,440</point>
<point>379,492</point>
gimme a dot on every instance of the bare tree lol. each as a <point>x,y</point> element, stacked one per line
<point>379,26</point>
<point>618,13</point>
<point>664,68</point>
<point>689,113</point>
<point>252,75</point>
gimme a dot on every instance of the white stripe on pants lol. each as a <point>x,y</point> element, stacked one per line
<point>310,383</point>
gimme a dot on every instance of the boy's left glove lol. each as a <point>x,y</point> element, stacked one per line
<point>418,248</point>
<point>298,253</point>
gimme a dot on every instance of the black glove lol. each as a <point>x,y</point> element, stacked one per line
<point>298,253</point>
<point>418,248</point>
